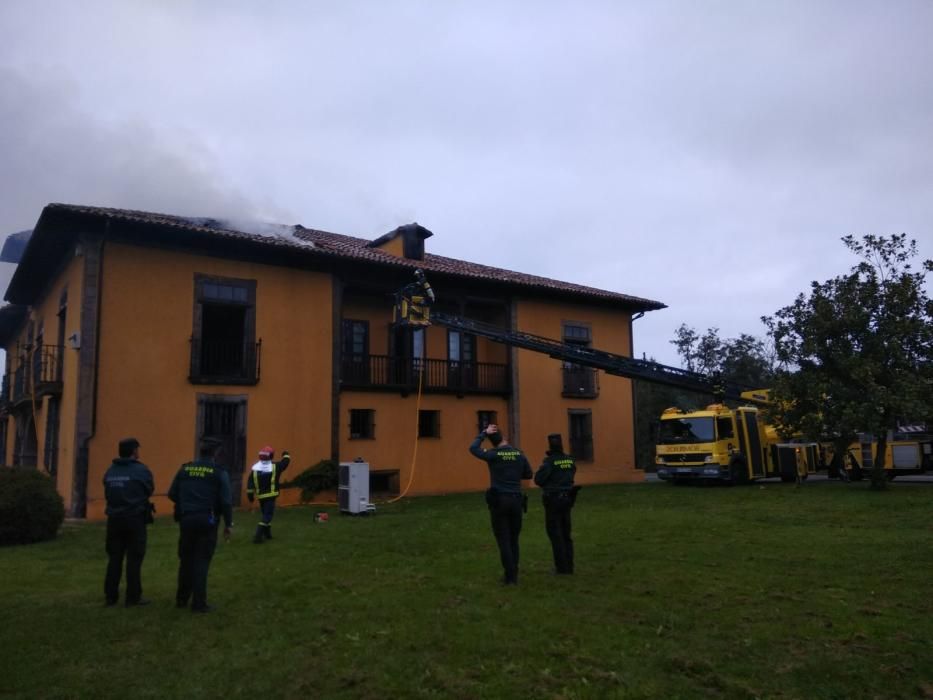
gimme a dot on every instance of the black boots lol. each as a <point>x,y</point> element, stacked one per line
<point>263,533</point>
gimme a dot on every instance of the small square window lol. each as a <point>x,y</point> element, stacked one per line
<point>576,334</point>
<point>362,423</point>
<point>485,418</point>
<point>429,424</point>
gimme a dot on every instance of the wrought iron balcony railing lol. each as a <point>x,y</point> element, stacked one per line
<point>404,373</point>
<point>39,374</point>
<point>225,362</point>
<point>47,370</point>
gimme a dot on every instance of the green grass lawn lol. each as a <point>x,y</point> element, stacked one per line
<point>822,591</point>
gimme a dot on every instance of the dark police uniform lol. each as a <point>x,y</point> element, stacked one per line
<point>128,485</point>
<point>555,477</point>
<point>507,467</point>
<point>264,485</point>
<point>201,493</point>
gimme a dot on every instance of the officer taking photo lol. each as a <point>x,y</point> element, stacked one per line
<point>201,494</point>
<point>507,467</point>
<point>128,485</point>
<point>555,477</point>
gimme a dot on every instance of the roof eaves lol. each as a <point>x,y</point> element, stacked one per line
<point>316,242</point>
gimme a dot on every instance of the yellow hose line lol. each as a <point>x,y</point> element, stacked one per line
<point>414,456</point>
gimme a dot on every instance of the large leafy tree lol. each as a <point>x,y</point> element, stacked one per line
<point>743,360</point>
<point>858,350</point>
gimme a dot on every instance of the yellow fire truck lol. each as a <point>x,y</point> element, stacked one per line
<point>902,457</point>
<point>729,444</point>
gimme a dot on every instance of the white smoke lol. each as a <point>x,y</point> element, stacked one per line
<point>255,227</point>
<point>53,151</point>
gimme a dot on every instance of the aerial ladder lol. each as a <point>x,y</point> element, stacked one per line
<point>413,308</point>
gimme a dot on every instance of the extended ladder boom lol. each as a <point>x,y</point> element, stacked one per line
<point>413,307</point>
<point>618,365</point>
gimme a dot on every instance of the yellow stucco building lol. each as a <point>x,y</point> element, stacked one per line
<point>124,323</point>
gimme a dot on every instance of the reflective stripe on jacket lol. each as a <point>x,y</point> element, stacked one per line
<point>264,483</point>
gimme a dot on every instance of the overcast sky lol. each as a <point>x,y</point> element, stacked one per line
<point>708,155</point>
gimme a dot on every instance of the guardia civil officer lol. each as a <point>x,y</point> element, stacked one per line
<point>555,477</point>
<point>128,485</point>
<point>202,496</point>
<point>264,485</point>
<point>507,467</point>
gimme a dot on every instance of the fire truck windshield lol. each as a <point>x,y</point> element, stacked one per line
<point>679,431</point>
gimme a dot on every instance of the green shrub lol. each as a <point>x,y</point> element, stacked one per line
<point>321,477</point>
<point>30,508</point>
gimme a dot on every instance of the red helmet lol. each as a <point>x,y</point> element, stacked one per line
<point>267,450</point>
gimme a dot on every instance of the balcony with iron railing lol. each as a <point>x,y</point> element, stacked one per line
<point>39,374</point>
<point>47,370</point>
<point>224,361</point>
<point>580,382</point>
<point>403,374</point>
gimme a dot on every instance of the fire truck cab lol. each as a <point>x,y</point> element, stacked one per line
<point>717,442</point>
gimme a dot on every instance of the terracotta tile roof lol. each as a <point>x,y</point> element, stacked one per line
<point>270,234</point>
<point>317,242</point>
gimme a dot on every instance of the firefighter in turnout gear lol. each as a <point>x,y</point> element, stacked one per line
<point>264,485</point>
<point>555,477</point>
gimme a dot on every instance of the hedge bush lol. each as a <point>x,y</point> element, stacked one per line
<point>320,477</point>
<point>30,508</point>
